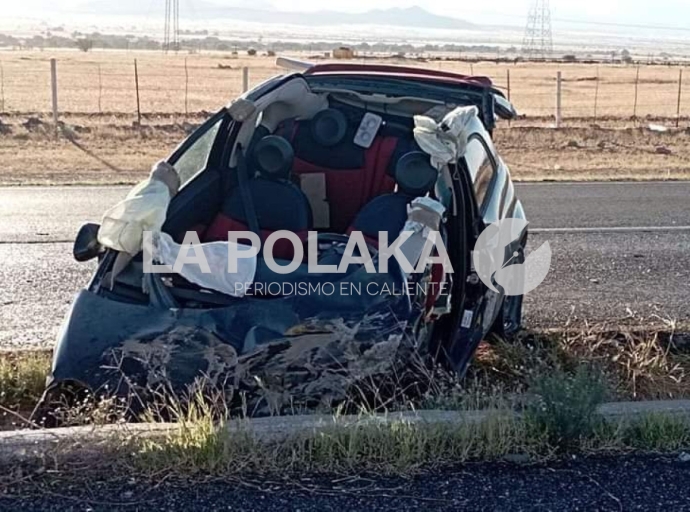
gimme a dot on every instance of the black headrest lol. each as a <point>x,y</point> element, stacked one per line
<point>272,156</point>
<point>414,174</point>
<point>328,127</point>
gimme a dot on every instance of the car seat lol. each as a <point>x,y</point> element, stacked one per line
<point>353,174</point>
<point>415,177</point>
<point>279,204</point>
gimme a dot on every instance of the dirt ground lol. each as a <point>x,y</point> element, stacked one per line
<point>112,150</point>
<point>98,104</point>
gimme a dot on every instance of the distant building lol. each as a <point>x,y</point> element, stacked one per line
<point>344,52</point>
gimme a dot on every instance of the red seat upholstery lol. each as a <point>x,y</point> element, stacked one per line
<point>353,175</point>
<point>223,224</point>
<point>348,190</point>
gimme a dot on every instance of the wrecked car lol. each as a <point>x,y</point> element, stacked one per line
<point>321,153</point>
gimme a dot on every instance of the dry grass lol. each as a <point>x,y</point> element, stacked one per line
<point>103,110</point>
<point>204,447</point>
<point>22,377</point>
<point>114,151</point>
<point>22,380</point>
<point>201,446</point>
<point>161,81</point>
<point>590,153</point>
<point>559,416</point>
<point>214,78</point>
<point>637,364</point>
<point>561,379</point>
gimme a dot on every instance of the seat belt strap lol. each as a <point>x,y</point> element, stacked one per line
<point>247,202</point>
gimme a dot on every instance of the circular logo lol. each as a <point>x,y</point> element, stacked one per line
<point>501,263</point>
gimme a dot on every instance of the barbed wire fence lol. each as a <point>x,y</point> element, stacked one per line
<point>145,90</point>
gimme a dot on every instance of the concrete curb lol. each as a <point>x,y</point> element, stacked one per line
<point>87,442</point>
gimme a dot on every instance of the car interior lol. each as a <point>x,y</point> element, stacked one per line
<point>327,161</point>
<point>364,189</point>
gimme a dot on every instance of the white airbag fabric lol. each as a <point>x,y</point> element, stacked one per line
<point>445,141</point>
<point>144,209</point>
<point>217,254</point>
<point>423,216</point>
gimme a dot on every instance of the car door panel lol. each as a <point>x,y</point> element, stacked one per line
<point>498,201</point>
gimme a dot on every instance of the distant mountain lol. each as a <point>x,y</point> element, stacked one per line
<point>410,17</point>
<point>264,13</point>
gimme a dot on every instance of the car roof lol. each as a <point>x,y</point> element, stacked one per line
<point>399,72</point>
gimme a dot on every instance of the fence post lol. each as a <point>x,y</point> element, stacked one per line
<point>53,87</point>
<point>558,99</point>
<point>680,93</point>
<point>637,81</point>
<point>186,88</point>
<point>136,84</point>
<point>100,89</point>
<point>2,88</point>
<point>596,95</point>
<point>245,79</point>
<point>508,80</point>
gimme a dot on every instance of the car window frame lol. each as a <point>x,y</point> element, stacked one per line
<point>494,166</point>
<point>217,146</point>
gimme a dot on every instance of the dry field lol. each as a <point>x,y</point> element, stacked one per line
<point>97,100</point>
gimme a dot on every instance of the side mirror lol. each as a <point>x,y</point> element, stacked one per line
<point>86,246</point>
<point>504,108</point>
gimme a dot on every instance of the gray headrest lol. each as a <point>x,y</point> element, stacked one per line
<point>414,174</point>
<point>273,156</point>
<point>328,127</point>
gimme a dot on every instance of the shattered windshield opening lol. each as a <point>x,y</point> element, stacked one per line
<point>194,159</point>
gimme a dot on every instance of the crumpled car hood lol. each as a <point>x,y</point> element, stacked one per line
<point>277,353</point>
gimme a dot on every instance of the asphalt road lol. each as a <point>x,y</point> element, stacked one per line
<point>618,248</point>
<point>605,484</point>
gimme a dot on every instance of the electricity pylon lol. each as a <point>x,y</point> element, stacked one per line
<point>171,35</point>
<point>538,41</point>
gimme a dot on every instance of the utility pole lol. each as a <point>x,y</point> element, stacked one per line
<point>171,31</point>
<point>176,24</point>
<point>538,41</point>
<point>166,29</point>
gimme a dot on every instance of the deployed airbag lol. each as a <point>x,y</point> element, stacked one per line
<point>213,273</point>
<point>144,209</point>
<point>445,141</point>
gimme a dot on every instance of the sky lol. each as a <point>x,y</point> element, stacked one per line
<point>500,12</point>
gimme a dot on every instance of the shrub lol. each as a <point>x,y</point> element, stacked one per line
<point>84,44</point>
<point>564,409</point>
